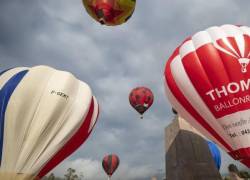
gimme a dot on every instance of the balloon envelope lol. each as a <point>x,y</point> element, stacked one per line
<point>215,153</point>
<point>141,98</point>
<point>110,163</point>
<point>207,81</point>
<point>110,12</point>
<point>46,115</point>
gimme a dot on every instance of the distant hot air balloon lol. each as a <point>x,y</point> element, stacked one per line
<point>110,12</point>
<point>110,163</point>
<point>141,98</point>
<point>207,81</point>
<point>215,153</point>
<point>45,116</point>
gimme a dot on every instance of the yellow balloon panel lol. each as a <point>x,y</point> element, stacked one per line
<point>110,12</point>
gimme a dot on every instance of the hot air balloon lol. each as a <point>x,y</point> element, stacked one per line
<point>207,81</point>
<point>45,116</point>
<point>215,153</point>
<point>110,12</point>
<point>141,98</point>
<point>110,163</point>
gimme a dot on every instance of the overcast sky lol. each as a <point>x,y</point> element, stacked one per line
<point>113,60</point>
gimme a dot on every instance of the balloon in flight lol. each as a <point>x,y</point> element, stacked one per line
<point>141,98</point>
<point>207,81</point>
<point>110,163</point>
<point>110,12</point>
<point>46,114</point>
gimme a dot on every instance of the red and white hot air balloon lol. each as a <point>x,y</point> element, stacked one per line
<point>207,80</point>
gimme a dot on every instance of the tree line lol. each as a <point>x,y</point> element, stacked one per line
<point>70,175</point>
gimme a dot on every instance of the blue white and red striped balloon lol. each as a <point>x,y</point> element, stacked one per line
<point>45,116</point>
<point>207,81</point>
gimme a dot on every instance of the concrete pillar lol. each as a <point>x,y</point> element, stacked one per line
<point>187,153</point>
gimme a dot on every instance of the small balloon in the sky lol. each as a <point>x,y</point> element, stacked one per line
<point>110,12</point>
<point>141,99</point>
<point>110,163</point>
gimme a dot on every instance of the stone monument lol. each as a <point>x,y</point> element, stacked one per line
<point>187,153</point>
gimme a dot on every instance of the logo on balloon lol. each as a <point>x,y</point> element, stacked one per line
<point>61,94</point>
<point>234,48</point>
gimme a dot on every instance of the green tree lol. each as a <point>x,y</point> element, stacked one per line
<point>233,168</point>
<point>244,174</point>
<point>52,177</point>
<point>71,174</point>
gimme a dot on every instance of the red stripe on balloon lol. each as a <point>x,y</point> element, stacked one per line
<point>113,164</point>
<point>239,154</point>
<point>74,142</point>
<point>235,45</point>
<point>247,46</point>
